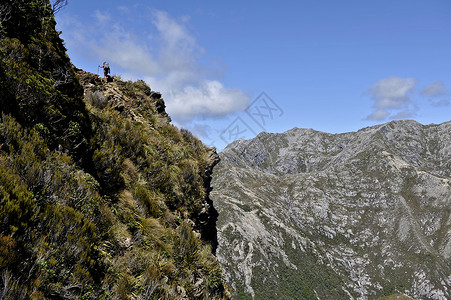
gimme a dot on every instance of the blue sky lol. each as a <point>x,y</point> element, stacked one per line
<point>231,69</point>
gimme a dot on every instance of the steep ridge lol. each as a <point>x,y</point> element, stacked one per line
<point>361,215</point>
<point>100,196</point>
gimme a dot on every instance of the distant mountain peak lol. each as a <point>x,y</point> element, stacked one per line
<point>360,215</point>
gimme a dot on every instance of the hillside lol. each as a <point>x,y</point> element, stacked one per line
<point>100,196</point>
<point>360,215</point>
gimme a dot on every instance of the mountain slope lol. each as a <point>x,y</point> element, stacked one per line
<point>311,215</point>
<point>100,196</point>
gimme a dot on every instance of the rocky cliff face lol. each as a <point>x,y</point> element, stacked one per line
<point>310,215</point>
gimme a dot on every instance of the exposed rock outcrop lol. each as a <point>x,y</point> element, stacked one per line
<point>311,215</point>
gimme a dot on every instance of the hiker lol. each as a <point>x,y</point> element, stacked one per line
<point>106,70</point>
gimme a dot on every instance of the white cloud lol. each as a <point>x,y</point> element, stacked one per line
<point>210,99</point>
<point>202,130</point>
<point>102,17</point>
<point>167,57</point>
<point>435,89</point>
<point>175,36</point>
<point>378,115</point>
<point>391,94</point>
<point>404,114</point>
<point>440,103</point>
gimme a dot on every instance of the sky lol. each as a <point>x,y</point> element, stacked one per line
<point>231,69</point>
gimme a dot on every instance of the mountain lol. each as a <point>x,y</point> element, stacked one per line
<point>361,215</point>
<point>100,196</point>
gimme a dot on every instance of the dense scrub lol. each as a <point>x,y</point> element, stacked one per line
<point>100,198</point>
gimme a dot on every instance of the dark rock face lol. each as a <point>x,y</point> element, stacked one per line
<point>360,215</point>
<point>209,215</point>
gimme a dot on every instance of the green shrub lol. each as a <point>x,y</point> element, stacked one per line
<point>91,199</point>
<point>108,162</point>
<point>16,203</point>
<point>187,247</point>
<point>64,248</point>
<point>8,253</point>
<point>148,199</point>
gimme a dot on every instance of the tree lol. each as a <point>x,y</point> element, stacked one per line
<point>5,12</point>
<point>57,5</point>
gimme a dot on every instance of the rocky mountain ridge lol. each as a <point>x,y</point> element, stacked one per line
<point>361,215</point>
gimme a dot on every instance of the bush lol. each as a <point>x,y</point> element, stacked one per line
<point>90,200</point>
<point>16,203</point>
<point>8,252</point>
<point>108,162</point>
<point>65,248</point>
<point>187,247</point>
<point>148,199</point>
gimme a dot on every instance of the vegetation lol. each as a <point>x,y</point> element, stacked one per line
<point>94,203</point>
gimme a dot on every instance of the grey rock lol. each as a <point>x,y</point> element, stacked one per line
<point>311,215</point>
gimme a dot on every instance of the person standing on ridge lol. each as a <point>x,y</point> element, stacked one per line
<point>106,70</point>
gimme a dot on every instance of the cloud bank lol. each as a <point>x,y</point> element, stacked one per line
<point>392,98</point>
<point>166,55</point>
<point>391,94</point>
<point>437,94</point>
<point>435,89</point>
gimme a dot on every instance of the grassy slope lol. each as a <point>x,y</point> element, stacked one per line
<point>94,203</point>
